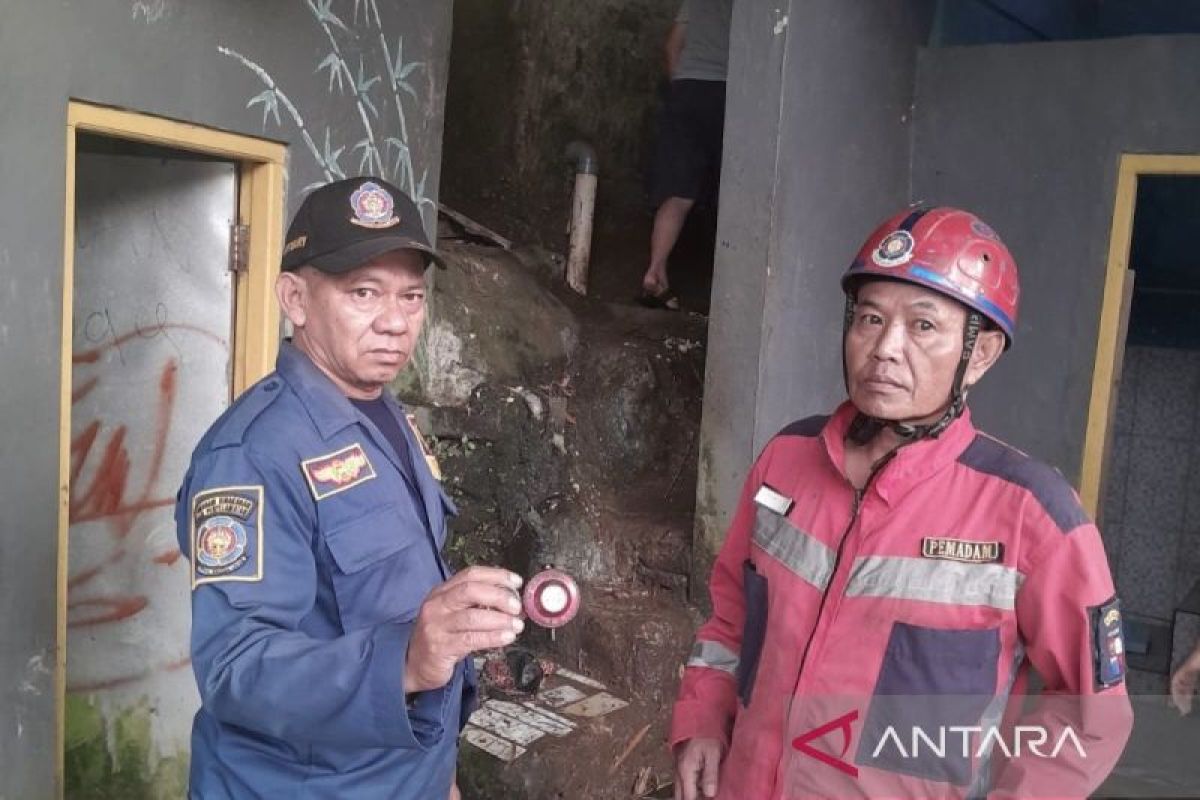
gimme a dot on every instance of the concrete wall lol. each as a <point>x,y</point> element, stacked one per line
<point>200,62</point>
<point>1029,137</point>
<point>817,152</point>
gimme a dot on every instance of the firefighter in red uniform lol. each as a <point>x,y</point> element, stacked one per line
<point>892,576</point>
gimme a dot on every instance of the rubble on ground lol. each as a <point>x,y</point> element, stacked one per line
<point>567,433</point>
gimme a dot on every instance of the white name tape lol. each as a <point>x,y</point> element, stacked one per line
<point>772,500</point>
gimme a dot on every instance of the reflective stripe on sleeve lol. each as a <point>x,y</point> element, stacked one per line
<point>713,655</point>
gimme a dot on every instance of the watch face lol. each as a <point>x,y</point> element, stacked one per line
<point>551,598</point>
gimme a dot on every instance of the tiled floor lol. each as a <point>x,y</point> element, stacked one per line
<point>1161,759</point>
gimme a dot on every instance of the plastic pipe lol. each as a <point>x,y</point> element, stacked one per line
<point>583,207</point>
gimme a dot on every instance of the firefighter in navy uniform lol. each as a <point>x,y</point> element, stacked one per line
<point>329,638</point>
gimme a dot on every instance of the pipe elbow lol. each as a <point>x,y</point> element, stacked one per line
<point>584,156</point>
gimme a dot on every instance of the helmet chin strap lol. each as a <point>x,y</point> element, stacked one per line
<point>864,428</point>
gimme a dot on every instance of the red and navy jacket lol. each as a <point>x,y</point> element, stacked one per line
<point>875,643</point>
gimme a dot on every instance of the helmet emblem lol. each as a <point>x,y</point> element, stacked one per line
<point>983,229</point>
<point>895,249</point>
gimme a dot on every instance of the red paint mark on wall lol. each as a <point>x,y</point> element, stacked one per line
<point>105,497</point>
<point>111,609</point>
<point>110,486</point>
<point>90,687</point>
<point>168,558</point>
<point>83,390</point>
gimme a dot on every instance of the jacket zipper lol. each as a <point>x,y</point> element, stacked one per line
<point>855,508</point>
<point>837,560</point>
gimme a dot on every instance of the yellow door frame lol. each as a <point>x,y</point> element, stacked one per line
<point>1111,339</point>
<point>261,170</point>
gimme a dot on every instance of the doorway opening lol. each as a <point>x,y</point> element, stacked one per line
<point>1150,479</point>
<point>171,244</point>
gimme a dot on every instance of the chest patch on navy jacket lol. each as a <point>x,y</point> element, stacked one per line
<point>226,535</point>
<point>338,471</point>
<point>965,550</point>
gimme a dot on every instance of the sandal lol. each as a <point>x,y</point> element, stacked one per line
<point>665,300</point>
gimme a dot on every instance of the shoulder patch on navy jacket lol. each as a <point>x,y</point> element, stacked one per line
<point>230,429</point>
<point>227,535</point>
<point>809,426</point>
<point>1046,484</point>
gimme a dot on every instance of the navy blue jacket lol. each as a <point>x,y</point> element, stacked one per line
<point>310,560</point>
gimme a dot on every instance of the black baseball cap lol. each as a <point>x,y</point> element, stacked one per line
<point>345,224</point>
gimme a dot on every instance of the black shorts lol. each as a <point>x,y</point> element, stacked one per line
<point>687,160</point>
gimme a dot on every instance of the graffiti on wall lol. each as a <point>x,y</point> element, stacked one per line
<point>113,494</point>
<point>133,398</point>
<point>364,69</point>
<point>150,371</point>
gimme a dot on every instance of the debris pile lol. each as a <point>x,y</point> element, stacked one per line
<point>567,432</point>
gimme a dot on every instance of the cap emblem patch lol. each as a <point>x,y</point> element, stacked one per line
<point>373,207</point>
<point>895,249</point>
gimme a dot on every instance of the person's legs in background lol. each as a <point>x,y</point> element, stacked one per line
<point>668,222</point>
<point>675,181</point>
<point>687,168</point>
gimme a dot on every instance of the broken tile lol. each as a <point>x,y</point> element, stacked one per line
<point>562,672</point>
<point>500,748</point>
<point>561,696</point>
<point>545,712</point>
<point>531,716</point>
<point>505,726</point>
<point>595,706</point>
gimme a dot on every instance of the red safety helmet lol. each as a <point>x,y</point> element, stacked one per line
<point>950,251</point>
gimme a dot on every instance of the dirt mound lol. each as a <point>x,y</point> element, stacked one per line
<point>567,430</point>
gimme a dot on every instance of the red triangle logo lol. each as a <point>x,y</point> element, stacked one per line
<point>842,724</point>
